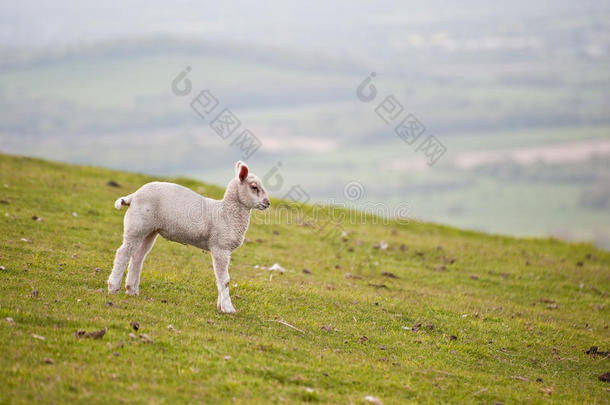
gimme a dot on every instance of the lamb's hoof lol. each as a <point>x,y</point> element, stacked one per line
<point>129,290</point>
<point>225,307</point>
<point>113,288</point>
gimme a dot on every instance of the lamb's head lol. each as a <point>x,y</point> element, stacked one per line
<point>250,190</point>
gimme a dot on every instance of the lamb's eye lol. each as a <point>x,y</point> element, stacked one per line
<point>255,188</point>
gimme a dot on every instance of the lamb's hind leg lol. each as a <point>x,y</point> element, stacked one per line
<point>132,285</point>
<point>123,254</point>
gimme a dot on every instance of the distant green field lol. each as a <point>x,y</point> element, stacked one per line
<point>440,316</point>
<point>111,105</point>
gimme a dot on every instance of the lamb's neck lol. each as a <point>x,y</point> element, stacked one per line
<point>235,212</point>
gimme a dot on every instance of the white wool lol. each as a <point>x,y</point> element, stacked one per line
<point>181,215</point>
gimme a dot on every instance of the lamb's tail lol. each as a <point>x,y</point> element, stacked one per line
<point>123,201</point>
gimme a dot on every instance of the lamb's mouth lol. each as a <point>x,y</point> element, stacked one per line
<point>263,206</point>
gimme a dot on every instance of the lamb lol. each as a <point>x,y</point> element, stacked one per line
<point>181,215</point>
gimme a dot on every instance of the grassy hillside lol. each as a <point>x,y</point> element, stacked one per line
<point>441,315</point>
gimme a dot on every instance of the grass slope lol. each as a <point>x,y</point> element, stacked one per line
<point>502,319</point>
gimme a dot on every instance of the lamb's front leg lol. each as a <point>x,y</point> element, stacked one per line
<point>220,260</point>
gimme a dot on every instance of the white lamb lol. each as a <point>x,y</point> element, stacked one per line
<point>181,215</point>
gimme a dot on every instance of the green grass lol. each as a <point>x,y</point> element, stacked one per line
<point>521,309</point>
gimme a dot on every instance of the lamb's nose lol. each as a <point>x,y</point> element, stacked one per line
<point>267,202</point>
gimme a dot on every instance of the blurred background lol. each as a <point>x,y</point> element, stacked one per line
<point>517,92</point>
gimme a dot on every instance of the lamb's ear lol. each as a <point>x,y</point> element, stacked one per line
<point>241,170</point>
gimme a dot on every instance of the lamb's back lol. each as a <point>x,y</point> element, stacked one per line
<point>179,214</point>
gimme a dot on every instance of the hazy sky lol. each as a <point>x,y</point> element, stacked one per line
<point>330,23</point>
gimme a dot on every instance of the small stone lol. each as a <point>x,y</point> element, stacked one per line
<point>373,400</point>
<point>145,338</point>
<point>382,245</point>
<point>134,325</point>
<point>48,360</point>
<point>97,334</point>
